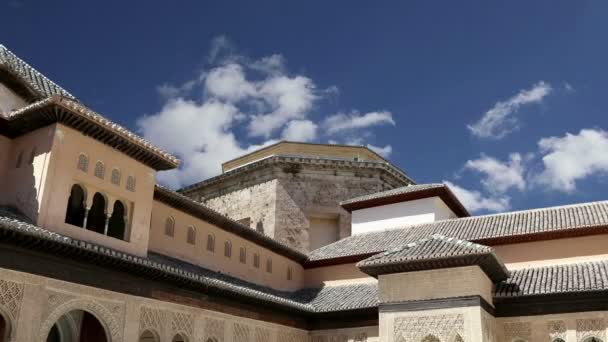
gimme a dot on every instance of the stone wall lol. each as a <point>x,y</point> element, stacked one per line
<point>279,197</point>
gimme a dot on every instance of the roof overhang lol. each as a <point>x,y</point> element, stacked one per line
<point>68,112</point>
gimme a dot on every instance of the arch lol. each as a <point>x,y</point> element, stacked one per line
<point>211,243</point>
<point>211,339</point>
<point>100,169</point>
<point>170,226</point>
<point>98,312</point>
<point>96,220</point>
<point>76,210</point>
<point>149,335</point>
<point>243,255</point>
<point>19,160</point>
<point>117,224</point>
<point>593,339</point>
<point>131,183</point>
<point>558,340</point>
<point>256,260</point>
<point>431,338</point>
<point>179,338</point>
<point>191,235</point>
<point>83,162</point>
<point>269,265</point>
<point>458,338</point>
<point>115,176</point>
<point>227,249</point>
<point>289,272</point>
<point>5,327</point>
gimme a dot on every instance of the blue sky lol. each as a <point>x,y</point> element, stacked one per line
<point>506,101</point>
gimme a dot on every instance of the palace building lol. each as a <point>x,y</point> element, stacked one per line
<point>294,242</point>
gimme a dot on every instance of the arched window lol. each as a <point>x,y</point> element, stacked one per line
<point>117,224</point>
<point>77,325</point>
<point>289,273</point>
<point>96,220</point>
<point>83,163</point>
<point>243,255</point>
<point>131,183</point>
<point>170,226</point>
<point>75,211</point>
<point>32,156</point>
<point>558,340</point>
<point>100,169</point>
<point>179,338</point>
<point>211,243</point>
<point>592,339</point>
<point>430,338</point>
<point>115,177</point>
<point>256,260</point>
<point>191,235</point>
<point>227,249</point>
<point>19,160</point>
<point>149,336</point>
<point>269,265</point>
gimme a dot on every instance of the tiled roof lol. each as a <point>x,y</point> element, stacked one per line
<point>436,251</point>
<point>519,226</point>
<point>556,279</point>
<point>36,81</point>
<point>74,114</point>
<point>393,192</point>
<point>407,193</point>
<point>163,268</point>
<point>197,209</point>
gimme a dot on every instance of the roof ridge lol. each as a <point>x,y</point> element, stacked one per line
<point>437,237</point>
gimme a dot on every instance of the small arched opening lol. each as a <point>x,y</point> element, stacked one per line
<point>179,338</point>
<point>96,220</point>
<point>191,235</point>
<point>170,226</point>
<point>75,211</point>
<point>77,326</point>
<point>149,336</point>
<point>117,223</point>
<point>593,339</point>
<point>558,340</point>
<point>431,338</point>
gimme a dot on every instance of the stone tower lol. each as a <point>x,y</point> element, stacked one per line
<point>291,191</point>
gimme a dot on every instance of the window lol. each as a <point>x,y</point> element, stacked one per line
<point>170,226</point>
<point>256,260</point>
<point>117,224</point>
<point>96,219</point>
<point>289,273</point>
<point>245,221</point>
<point>100,169</point>
<point>83,163</point>
<point>131,183</point>
<point>559,340</point>
<point>227,249</point>
<point>191,235</point>
<point>243,255</point>
<point>32,156</point>
<point>211,243</point>
<point>75,211</point>
<point>115,177</point>
<point>19,160</point>
<point>269,265</point>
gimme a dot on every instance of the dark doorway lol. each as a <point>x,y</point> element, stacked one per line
<point>96,221</point>
<point>75,211</point>
<point>116,226</point>
<point>78,326</point>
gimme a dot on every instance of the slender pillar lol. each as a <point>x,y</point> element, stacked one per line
<point>105,229</point>
<point>86,217</point>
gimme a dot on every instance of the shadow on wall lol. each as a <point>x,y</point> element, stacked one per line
<point>24,179</point>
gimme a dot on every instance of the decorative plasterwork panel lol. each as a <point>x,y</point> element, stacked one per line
<point>488,324</point>
<point>360,337</point>
<point>444,327</point>
<point>291,337</point>
<point>214,329</point>
<point>556,329</point>
<point>182,323</point>
<point>262,334</point>
<point>593,327</point>
<point>152,319</point>
<point>11,295</point>
<point>241,332</point>
<point>521,330</point>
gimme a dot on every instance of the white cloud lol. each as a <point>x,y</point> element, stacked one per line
<point>573,157</point>
<point>213,117</point>
<point>383,151</point>
<point>300,130</point>
<point>343,122</point>
<point>498,121</point>
<point>474,201</point>
<point>498,176</point>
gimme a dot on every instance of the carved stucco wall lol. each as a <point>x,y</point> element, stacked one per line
<point>446,327</point>
<point>572,327</point>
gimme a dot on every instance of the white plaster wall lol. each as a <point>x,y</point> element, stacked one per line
<point>5,150</point>
<point>9,101</point>
<point>398,215</point>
